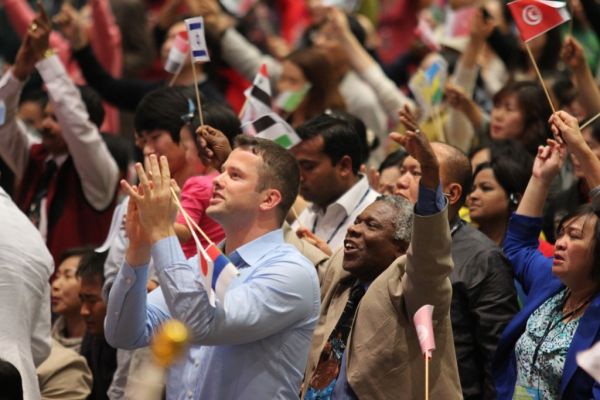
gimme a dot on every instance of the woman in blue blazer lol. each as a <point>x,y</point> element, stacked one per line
<point>535,357</point>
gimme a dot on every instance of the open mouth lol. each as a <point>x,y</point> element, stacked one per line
<point>350,247</point>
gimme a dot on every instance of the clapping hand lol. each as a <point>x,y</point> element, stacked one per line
<point>153,198</point>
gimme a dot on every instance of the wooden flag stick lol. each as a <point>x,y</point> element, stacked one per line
<point>589,121</point>
<point>570,9</point>
<point>174,78</point>
<point>426,377</point>
<point>197,93</point>
<point>188,218</point>
<point>539,75</point>
<point>437,118</point>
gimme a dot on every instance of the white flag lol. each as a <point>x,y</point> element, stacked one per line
<point>195,28</point>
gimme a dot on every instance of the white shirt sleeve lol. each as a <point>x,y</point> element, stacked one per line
<point>14,142</point>
<point>95,166</point>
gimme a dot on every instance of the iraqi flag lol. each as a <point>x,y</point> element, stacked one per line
<point>178,53</point>
<point>195,30</point>
<point>535,17</point>
<point>271,126</point>
<point>258,97</point>
<point>217,272</point>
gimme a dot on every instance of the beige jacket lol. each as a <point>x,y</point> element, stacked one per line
<point>384,360</point>
<point>64,375</point>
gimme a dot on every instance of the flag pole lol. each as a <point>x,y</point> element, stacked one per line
<point>197,92</point>
<point>191,223</point>
<point>589,121</point>
<point>570,30</point>
<point>438,123</point>
<point>174,78</point>
<point>539,75</point>
<point>426,377</point>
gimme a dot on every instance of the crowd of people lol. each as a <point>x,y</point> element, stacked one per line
<point>130,197</point>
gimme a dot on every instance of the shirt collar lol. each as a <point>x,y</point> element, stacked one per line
<point>349,200</point>
<point>253,251</point>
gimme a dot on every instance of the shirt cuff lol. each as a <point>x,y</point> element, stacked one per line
<point>51,68</point>
<point>430,201</point>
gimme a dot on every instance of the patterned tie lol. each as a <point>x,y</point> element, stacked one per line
<point>41,192</point>
<point>327,371</point>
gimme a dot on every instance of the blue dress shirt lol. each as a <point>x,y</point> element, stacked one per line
<point>253,346</point>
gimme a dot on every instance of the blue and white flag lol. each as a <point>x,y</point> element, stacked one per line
<point>198,49</point>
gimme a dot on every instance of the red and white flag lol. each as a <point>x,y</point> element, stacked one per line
<point>178,53</point>
<point>424,326</point>
<point>535,17</point>
<point>258,97</point>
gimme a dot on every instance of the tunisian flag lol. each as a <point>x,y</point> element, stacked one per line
<point>535,17</point>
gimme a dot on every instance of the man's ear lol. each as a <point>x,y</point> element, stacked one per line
<point>271,198</point>
<point>401,248</point>
<point>453,193</point>
<point>344,165</point>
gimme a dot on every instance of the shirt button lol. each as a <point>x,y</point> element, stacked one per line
<point>128,281</point>
<point>189,394</point>
<point>196,363</point>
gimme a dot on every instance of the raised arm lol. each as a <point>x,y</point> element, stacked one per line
<point>573,55</point>
<point>429,260</point>
<point>14,141</point>
<point>105,37</point>
<point>464,116</point>
<point>236,50</point>
<point>21,15</point>
<point>388,94</point>
<point>521,242</point>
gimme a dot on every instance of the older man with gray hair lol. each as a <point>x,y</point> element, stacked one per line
<point>394,261</point>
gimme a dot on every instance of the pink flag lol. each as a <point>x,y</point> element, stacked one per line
<point>424,326</point>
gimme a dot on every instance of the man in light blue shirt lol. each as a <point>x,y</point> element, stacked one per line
<point>254,344</point>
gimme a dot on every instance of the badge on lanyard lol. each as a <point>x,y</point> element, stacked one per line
<point>526,393</point>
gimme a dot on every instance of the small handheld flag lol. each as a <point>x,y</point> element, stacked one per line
<point>271,126</point>
<point>289,100</point>
<point>177,54</point>
<point>218,270</point>
<point>195,29</point>
<point>428,85</point>
<point>258,97</point>
<point>424,326</point>
<point>425,33</point>
<point>536,17</point>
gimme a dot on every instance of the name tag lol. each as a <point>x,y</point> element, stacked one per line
<point>526,393</point>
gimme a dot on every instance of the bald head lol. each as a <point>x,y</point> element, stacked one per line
<point>455,167</point>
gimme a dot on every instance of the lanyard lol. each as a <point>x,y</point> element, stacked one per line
<point>314,227</point>
<point>552,324</point>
